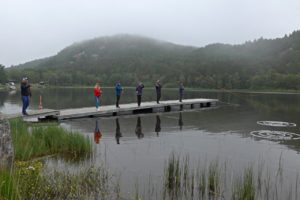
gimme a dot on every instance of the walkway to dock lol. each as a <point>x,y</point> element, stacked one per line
<point>111,110</point>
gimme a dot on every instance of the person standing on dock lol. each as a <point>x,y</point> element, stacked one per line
<point>139,92</point>
<point>158,91</point>
<point>26,94</point>
<point>119,90</point>
<point>97,94</point>
<point>181,90</point>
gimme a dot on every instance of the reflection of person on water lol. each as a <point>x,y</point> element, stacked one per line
<point>180,122</point>
<point>97,133</point>
<point>157,125</point>
<point>138,128</point>
<point>118,131</point>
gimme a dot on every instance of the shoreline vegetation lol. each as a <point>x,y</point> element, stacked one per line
<point>26,178</point>
<point>181,179</point>
<point>37,141</point>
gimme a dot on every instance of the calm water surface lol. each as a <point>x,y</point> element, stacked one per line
<point>136,146</point>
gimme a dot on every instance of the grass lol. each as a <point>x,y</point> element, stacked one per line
<point>245,188</point>
<point>33,142</point>
<point>7,187</point>
<point>28,181</point>
<point>214,181</point>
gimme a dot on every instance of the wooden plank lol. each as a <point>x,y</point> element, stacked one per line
<point>34,114</point>
<point>132,108</point>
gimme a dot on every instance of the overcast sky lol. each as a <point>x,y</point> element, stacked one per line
<point>31,29</point>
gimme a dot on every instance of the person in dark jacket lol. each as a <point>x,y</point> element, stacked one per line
<point>181,90</point>
<point>158,91</point>
<point>139,92</point>
<point>26,94</point>
<point>119,90</point>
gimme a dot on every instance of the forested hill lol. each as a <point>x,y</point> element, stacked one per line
<point>259,64</point>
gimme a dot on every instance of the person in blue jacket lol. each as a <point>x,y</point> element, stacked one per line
<point>119,90</point>
<point>139,92</point>
<point>26,94</point>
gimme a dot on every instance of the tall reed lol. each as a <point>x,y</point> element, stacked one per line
<point>31,142</point>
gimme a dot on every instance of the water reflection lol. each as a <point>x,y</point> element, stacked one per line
<point>97,133</point>
<point>3,97</point>
<point>118,131</point>
<point>138,128</point>
<point>180,122</point>
<point>12,92</point>
<point>157,125</point>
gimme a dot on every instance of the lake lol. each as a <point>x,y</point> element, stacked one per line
<point>137,147</point>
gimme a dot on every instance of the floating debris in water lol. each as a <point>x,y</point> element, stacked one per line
<point>275,135</point>
<point>276,123</point>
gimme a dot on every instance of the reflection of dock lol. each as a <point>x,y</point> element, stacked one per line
<point>111,110</point>
<point>129,109</point>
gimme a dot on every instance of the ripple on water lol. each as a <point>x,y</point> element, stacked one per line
<point>276,123</point>
<point>275,135</point>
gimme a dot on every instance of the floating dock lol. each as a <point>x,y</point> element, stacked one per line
<point>38,114</point>
<point>111,110</point>
<point>132,108</point>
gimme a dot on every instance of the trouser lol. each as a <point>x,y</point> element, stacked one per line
<point>118,99</point>
<point>158,97</point>
<point>25,100</point>
<point>180,97</point>
<point>139,99</point>
<point>97,101</point>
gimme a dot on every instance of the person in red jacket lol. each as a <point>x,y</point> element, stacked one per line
<point>97,94</point>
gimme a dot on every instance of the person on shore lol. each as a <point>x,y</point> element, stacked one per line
<point>181,91</point>
<point>97,94</point>
<point>139,92</point>
<point>158,91</point>
<point>26,94</point>
<point>119,90</point>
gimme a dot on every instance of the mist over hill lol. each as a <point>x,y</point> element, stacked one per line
<point>258,64</point>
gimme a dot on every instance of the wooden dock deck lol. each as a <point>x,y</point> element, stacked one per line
<point>132,108</point>
<point>111,110</point>
<point>39,114</point>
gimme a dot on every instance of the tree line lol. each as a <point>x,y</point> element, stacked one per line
<point>258,64</point>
